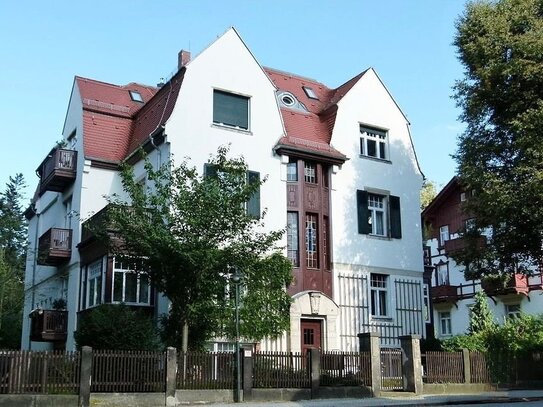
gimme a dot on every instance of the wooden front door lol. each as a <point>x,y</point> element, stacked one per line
<point>311,334</point>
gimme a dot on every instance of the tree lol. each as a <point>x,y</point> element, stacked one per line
<point>13,224</point>
<point>12,261</point>
<point>427,193</point>
<point>480,319</point>
<point>500,155</point>
<point>189,232</point>
<point>100,329</point>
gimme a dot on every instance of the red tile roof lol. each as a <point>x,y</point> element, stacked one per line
<point>316,126</point>
<point>115,125</point>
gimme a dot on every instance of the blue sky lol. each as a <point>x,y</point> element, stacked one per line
<point>44,44</point>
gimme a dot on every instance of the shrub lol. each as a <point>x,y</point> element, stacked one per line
<point>117,327</point>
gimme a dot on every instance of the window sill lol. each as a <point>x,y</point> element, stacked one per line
<point>381,160</point>
<point>379,237</point>
<point>382,318</point>
<point>231,128</point>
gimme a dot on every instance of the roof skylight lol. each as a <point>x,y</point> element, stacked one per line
<point>310,92</point>
<point>136,96</point>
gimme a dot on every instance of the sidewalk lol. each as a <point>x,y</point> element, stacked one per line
<point>400,399</point>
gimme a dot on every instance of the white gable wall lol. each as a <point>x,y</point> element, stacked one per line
<point>229,66</point>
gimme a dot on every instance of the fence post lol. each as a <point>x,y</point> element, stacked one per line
<point>467,366</point>
<point>370,342</point>
<point>171,375</point>
<point>247,380</point>
<point>85,376</point>
<point>411,363</point>
<point>314,371</point>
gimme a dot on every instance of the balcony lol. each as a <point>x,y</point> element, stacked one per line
<point>461,243</point>
<point>444,293</point>
<point>55,247</point>
<point>58,170</point>
<point>48,325</point>
<point>516,284</point>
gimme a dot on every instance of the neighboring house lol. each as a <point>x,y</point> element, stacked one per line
<point>343,160</point>
<point>452,295</point>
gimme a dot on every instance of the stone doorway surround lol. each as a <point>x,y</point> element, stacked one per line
<point>308,305</point>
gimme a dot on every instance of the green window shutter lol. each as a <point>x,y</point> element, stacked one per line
<point>210,170</point>
<point>364,226</point>
<point>253,205</point>
<point>230,109</point>
<point>395,217</point>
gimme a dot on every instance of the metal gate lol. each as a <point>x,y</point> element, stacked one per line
<point>391,369</point>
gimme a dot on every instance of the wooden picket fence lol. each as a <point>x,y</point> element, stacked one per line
<point>128,371</point>
<point>280,370</point>
<point>205,370</point>
<point>444,367</point>
<point>345,369</point>
<point>50,372</point>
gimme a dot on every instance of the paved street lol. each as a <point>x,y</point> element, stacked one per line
<point>499,398</point>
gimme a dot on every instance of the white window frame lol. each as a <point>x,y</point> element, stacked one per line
<point>426,303</point>
<point>94,275</point>
<point>216,120</point>
<point>378,209</point>
<point>444,234</point>
<point>445,324</point>
<point>513,310</point>
<point>310,172</point>
<point>442,274</point>
<point>378,292</point>
<point>118,269</point>
<point>379,137</point>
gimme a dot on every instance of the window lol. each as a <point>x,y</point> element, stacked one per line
<point>377,218</point>
<point>136,96</point>
<point>445,328</point>
<point>325,176</point>
<point>512,310</point>
<point>442,274</point>
<point>379,215</point>
<point>378,284</point>
<point>426,298</point>
<point>443,234</point>
<point>129,285</point>
<point>292,239</point>
<point>469,225</point>
<point>292,170</point>
<point>310,173</point>
<point>310,92</point>
<point>93,287</point>
<point>230,110</point>
<point>326,242</point>
<point>311,246</point>
<point>462,196</point>
<point>252,206</point>
<point>373,143</point>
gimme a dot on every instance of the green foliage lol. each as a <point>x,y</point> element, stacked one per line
<point>12,262</point>
<point>481,317</point>
<point>473,342</point>
<point>500,155</point>
<point>117,327</point>
<point>191,231</point>
<point>427,193</point>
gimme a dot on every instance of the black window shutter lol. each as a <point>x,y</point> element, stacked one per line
<point>253,205</point>
<point>364,226</point>
<point>395,217</point>
<point>230,109</point>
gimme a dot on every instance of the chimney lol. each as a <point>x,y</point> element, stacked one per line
<point>183,58</point>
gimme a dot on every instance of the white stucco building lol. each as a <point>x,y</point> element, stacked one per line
<point>342,175</point>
